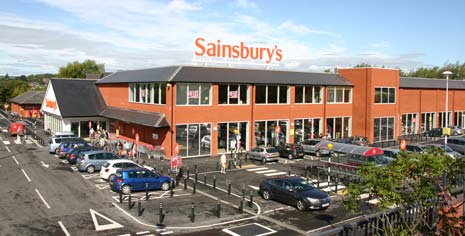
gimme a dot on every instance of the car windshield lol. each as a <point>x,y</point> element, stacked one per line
<point>106,164</point>
<point>302,185</point>
<point>271,149</point>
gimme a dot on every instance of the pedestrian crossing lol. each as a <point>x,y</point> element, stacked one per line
<point>27,141</point>
<point>266,171</point>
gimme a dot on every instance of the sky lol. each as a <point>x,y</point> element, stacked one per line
<point>40,36</point>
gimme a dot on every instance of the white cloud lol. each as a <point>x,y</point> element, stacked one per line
<point>379,45</point>
<point>246,4</point>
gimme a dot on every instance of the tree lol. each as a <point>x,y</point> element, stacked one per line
<point>363,64</point>
<point>425,181</point>
<point>327,71</point>
<point>457,69</point>
<point>7,76</point>
<point>79,70</point>
<point>12,88</point>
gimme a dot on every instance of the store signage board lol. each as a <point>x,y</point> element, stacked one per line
<point>207,51</point>
<point>50,104</point>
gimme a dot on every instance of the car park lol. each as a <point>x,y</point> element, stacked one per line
<point>135,179</point>
<point>92,161</point>
<point>291,151</point>
<point>263,154</point>
<point>294,191</point>
<point>310,147</point>
<point>110,167</point>
<point>54,143</point>
<point>457,144</point>
<point>73,155</point>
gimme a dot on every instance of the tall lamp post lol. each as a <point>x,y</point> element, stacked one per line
<point>447,73</point>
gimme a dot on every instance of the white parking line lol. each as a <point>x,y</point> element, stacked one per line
<point>63,228</point>
<point>74,168</point>
<point>255,169</point>
<point>265,171</point>
<point>276,173</point>
<point>14,158</point>
<point>254,187</point>
<point>143,232</point>
<point>7,147</point>
<point>6,142</point>
<point>43,199</point>
<point>166,233</point>
<point>27,177</point>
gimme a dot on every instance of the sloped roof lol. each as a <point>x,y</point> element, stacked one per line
<point>426,83</point>
<point>29,97</point>
<point>151,119</point>
<point>78,97</point>
<point>201,74</point>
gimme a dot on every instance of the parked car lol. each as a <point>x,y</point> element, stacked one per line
<point>391,152</point>
<point>435,132</point>
<point>54,143</point>
<point>68,145</point>
<point>16,128</point>
<point>263,154</point>
<point>359,140</point>
<point>92,161</point>
<point>310,147</point>
<point>110,167</point>
<point>457,144</point>
<point>449,151</point>
<point>456,130</point>
<point>291,151</point>
<point>294,191</point>
<point>73,155</point>
<point>134,179</point>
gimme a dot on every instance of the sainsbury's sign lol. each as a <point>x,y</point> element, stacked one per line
<point>239,51</point>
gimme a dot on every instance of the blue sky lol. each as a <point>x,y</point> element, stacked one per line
<point>39,36</point>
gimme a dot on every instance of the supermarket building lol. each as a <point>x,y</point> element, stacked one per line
<point>210,110</point>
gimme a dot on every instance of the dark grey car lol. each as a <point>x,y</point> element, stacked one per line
<point>457,144</point>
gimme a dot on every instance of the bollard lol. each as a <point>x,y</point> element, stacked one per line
<point>241,206</point>
<point>243,191</point>
<point>217,166</point>
<point>289,171</point>
<point>214,182</point>
<point>185,183</point>
<point>177,180</point>
<point>193,213</point>
<point>195,167</point>
<point>120,197</point>
<point>305,171</point>
<point>162,216</point>
<point>196,177</point>
<point>188,170</point>
<point>146,191</point>
<point>193,187</point>
<point>129,202</point>
<point>218,209</point>
<point>240,163</point>
<point>230,164</point>
<point>229,187</point>
<point>205,178</point>
<point>251,199</point>
<point>171,188</point>
<point>139,207</point>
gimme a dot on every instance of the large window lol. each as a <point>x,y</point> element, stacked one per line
<point>339,95</point>
<point>307,128</point>
<point>231,136</point>
<point>308,94</point>
<point>384,129</point>
<point>428,121</point>
<point>442,119</point>
<point>150,93</point>
<point>266,135</point>
<point>385,95</point>
<point>409,123</point>
<point>271,94</point>
<point>193,94</point>
<point>459,118</point>
<point>232,94</point>
<point>338,127</point>
<point>194,139</point>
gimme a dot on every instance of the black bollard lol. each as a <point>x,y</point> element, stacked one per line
<point>205,178</point>
<point>193,213</point>
<point>139,207</point>
<point>185,183</point>
<point>146,191</point>
<point>218,209</point>
<point>240,163</point>
<point>217,166</point>
<point>193,187</point>
<point>196,177</point>
<point>171,188</point>
<point>177,180</point>
<point>120,197</point>
<point>161,215</point>
<point>230,164</point>
<point>251,199</point>
<point>214,182</point>
<point>241,206</point>
<point>188,170</point>
<point>195,167</point>
<point>243,191</point>
<point>129,202</point>
<point>289,171</point>
<point>229,187</point>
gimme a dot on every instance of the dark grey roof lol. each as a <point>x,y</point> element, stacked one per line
<point>29,97</point>
<point>77,97</point>
<point>200,74</point>
<point>411,82</point>
<point>151,119</point>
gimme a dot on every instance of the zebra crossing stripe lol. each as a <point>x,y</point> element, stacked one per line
<point>276,173</point>
<point>256,169</point>
<point>265,171</point>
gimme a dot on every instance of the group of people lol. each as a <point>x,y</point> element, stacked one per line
<point>99,138</point>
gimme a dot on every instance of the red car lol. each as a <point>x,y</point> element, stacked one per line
<point>16,128</point>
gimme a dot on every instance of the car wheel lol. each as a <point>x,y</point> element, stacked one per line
<point>110,177</point>
<point>317,154</point>
<point>165,186</point>
<point>263,160</point>
<point>126,189</point>
<point>290,157</point>
<point>57,150</point>
<point>266,195</point>
<point>300,205</point>
<point>90,169</point>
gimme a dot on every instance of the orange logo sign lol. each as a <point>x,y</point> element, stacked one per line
<point>51,104</point>
<point>241,51</point>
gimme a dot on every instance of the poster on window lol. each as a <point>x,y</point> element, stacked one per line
<point>233,94</point>
<point>193,93</point>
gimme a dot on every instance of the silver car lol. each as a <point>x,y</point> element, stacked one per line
<point>310,146</point>
<point>92,161</point>
<point>448,151</point>
<point>54,143</point>
<point>456,130</point>
<point>263,154</point>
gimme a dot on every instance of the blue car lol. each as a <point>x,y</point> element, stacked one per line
<point>134,179</point>
<point>294,191</point>
<point>66,147</point>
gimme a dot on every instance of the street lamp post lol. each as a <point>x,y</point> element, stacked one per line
<point>447,73</point>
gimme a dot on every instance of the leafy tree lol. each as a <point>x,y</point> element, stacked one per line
<point>7,76</point>
<point>363,64</point>
<point>457,69</point>
<point>327,71</point>
<point>426,181</point>
<point>79,70</point>
<point>12,88</point>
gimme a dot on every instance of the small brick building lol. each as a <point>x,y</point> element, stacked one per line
<point>28,104</point>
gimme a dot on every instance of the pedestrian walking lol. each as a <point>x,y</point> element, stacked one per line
<point>223,163</point>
